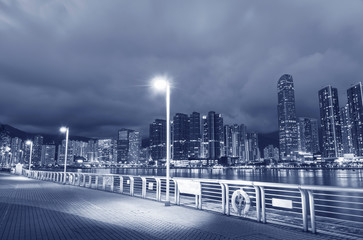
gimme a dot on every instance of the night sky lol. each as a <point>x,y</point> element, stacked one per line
<point>87,64</point>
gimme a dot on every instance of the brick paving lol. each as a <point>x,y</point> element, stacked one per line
<point>34,209</point>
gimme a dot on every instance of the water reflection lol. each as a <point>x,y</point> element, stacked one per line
<point>342,178</point>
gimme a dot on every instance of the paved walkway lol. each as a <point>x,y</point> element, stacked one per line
<point>34,209</point>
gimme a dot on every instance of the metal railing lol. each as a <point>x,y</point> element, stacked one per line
<point>333,210</point>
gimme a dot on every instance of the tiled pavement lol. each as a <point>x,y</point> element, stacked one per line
<point>34,209</point>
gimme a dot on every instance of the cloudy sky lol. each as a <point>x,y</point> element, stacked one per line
<point>87,63</point>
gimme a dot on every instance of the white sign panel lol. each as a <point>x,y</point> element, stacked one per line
<point>151,185</point>
<point>282,203</point>
<point>18,169</point>
<point>189,187</point>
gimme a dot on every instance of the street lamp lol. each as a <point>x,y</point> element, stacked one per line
<point>31,151</point>
<point>66,131</point>
<point>161,83</point>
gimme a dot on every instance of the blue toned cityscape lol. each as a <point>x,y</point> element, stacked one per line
<point>202,141</point>
<point>181,120</point>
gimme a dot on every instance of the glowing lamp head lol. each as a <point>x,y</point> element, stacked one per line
<point>160,83</point>
<point>63,129</point>
<point>28,142</point>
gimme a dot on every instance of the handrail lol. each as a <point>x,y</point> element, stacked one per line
<point>226,195</point>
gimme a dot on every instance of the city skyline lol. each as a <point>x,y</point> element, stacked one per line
<point>60,66</point>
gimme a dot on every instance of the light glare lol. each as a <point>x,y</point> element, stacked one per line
<point>28,142</point>
<point>160,82</point>
<point>63,129</point>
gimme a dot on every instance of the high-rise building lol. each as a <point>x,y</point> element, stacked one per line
<point>16,151</point>
<point>180,136</point>
<point>355,109</point>
<point>91,151</point>
<point>105,149</point>
<point>195,138</point>
<point>232,140</point>
<point>271,153</point>
<point>134,147</point>
<point>227,141</point>
<point>288,135</point>
<point>243,155</point>
<point>123,145</point>
<point>308,135</point>
<point>48,155</point>
<point>205,143</point>
<point>215,136</point>
<point>235,141</point>
<point>5,153</point>
<point>61,153</point>
<point>347,141</point>
<point>158,140</point>
<point>330,122</point>
<point>37,150</point>
<point>252,146</point>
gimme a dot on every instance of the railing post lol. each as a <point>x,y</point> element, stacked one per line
<point>90,181</point>
<point>223,198</point>
<point>112,183</point>
<point>312,210</point>
<point>200,197</point>
<point>121,184</point>
<point>96,182</point>
<point>77,181</point>
<point>158,189</point>
<point>104,183</point>
<point>83,180</point>
<point>263,204</point>
<point>304,211</point>
<point>73,178</point>
<point>258,203</point>
<point>177,198</point>
<point>176,190</point>
<point>228,209</point>
<point>131,185</point>
<point>143,191</point>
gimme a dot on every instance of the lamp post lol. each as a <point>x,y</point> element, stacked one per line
<point>66,131</point>
<point>30,143</point>
<point>161,83</point>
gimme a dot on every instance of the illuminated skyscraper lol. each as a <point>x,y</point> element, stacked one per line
<point>288,135</point>
<point>330,122</point>
<point>308,140</point>
<point>355,109</point>
<point>37,150</point>
<point>195,137</point>
<point>123,145</point>
<point>134,147</point>
<point>180,136</point>
<point>232,141</point>
<point>16,151</point>
<point>158,139</point>
<point>48,155</point>
<point>347,140</point>
<point>204,144</point>
<point>215,136</point>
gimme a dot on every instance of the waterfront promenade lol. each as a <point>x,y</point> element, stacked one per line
<point>34,209</point>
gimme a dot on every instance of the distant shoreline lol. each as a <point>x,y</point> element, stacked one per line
<point>219,168</point>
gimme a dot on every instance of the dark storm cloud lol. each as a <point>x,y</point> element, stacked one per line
<point>87,63</point>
